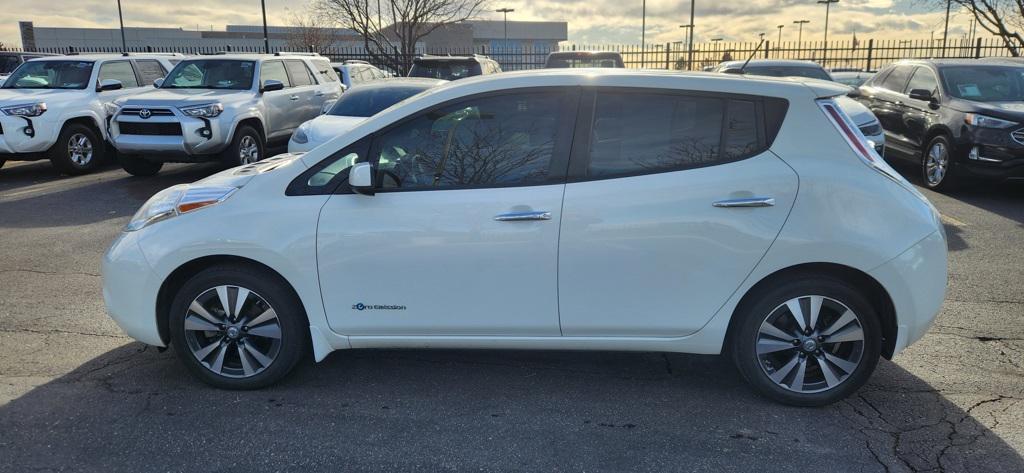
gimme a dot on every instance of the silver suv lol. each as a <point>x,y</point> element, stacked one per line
<point>225,107</point>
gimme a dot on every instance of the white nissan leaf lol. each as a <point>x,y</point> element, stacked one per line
<point>565,209</point>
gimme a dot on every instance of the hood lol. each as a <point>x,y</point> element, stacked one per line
<point>1005,110</point>
<point>181,97</point>
<point>326,127</point>
<point>241,175</point>
<point>50,96</point>
<point>857,112</point>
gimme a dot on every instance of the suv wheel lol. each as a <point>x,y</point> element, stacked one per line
<point>936,162</point>
<point>138,166</point>
<point>78,150</point>
<point>808,341</point>
<point>247,147</point>
<point>236,328</point>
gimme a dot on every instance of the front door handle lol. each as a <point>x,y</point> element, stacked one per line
<point>751,202</point>
<point>523,216</point>
<point>293,98</point>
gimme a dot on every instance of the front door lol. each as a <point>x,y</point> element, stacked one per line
<point>920,114</point>
<point>672,200</point>
<point>461,237</point>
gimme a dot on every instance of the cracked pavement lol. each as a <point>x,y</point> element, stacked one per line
<point>77,395</point>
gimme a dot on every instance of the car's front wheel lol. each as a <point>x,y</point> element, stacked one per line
<point>138,166</point>
<point>78,150</point>
<point>247,147</point>
<point>936,164</point>
<point>238,327</point>
<point>808,341</point>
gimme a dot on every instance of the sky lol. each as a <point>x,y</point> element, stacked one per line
<point>591,22</point>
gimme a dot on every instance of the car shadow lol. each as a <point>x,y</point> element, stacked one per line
<point>1003,198</point>
<point>134,409</point>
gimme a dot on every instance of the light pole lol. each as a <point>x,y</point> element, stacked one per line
<point>506,12</point>
<point>800,30</point>
<point>124,43</point>
<point>689,46</point>
<point>828,6</point>
<point>780,27</point>
<point>689,53</point>
<point>266,36</point>
<point>945,29</point>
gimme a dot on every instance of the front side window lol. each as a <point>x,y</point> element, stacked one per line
<point>211,74</point>
<point>9,63</point>
<point>496,141</point>
<point>274,70</point>
<point>923,79</point>
<point>150,71</point>
<point>985,83</point>
<point>51,75</point>
<point>642,133</point>
<point>897,79</point>
<point>120,71</point>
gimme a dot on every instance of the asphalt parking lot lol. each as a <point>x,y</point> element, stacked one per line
<point>76,394</point>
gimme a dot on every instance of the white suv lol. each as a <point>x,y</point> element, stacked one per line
<point>227,107</point>
<point>56,107</point>
<point>566,209</point>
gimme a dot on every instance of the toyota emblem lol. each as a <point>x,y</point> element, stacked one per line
<point>145,113</point>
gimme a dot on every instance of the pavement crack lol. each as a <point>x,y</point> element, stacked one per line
<point>51,273</point>
<point>65,332</point>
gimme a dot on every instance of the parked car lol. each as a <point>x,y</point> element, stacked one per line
<point>573,59</point>
<point>851,78</point>
<point>10,60</point>
<point>55,107</point>
<point>453,67</point>
<point>862,117</point>
<point>355,106</point>
<point>954,119</point>
<point>495,212</point>
<point>353,73</point>
<point>228,108</point>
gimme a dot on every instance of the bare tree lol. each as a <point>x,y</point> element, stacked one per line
<point>1002,18</point>
<point>310,31</point>
<point>390,29</point>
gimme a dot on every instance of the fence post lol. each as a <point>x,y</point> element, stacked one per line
<point>977,49</point>
<point>483,49</point>
<point>668,60</point>
<point>871,50</point>
<point>766,45</point>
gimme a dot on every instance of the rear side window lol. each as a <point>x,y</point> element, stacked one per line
<point>150,71</point>
<point>299,73</point>
<point>897,79</point>
<point>641,133</point>
<point>120,71</point>
<point>325,70</point>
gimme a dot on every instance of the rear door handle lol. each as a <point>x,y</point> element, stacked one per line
<point>751,202</point>
<point>523,216</point>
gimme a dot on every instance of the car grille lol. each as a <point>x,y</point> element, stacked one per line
<point>871,129</point>
<point>153,112</point>
<point>1018,136</point>
<point>150,129</point>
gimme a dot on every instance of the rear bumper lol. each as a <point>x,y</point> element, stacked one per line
<point>916,283</point>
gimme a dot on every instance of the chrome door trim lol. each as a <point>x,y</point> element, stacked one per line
<point>522,216</point>
<point>751,202</point>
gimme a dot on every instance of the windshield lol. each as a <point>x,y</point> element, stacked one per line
<point>588,60</point>
<point>211,74</point>
<point>447,70</point>
<point>50,75</point>
<point>369,101</point>
<point>852,81</point>
<point>788,71</point>
<point>985,83</point>
<point>8,64</point>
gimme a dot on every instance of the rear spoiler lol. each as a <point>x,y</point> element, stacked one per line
<point>824,89</point>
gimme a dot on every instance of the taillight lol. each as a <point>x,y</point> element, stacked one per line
<point>853,136</point>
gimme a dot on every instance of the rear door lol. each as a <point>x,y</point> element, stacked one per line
<point>279,103</point>
<point>304,86</point>
<point>672,199</point>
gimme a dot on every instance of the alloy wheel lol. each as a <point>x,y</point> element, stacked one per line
<point>233,331</point>
<point>248,150</point>
<point>936,163</point>
<point>80,149</point>
<point>810,344</point>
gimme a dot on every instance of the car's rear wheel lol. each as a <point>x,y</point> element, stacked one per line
<point>78,150</point>
<point>808,341</point>
<point>936,164</point>
<point>138,166</point>
<point>238,327</point>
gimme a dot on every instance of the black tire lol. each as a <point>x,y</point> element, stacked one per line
<point>138,166</point>
<point>767,302</point>
<point>245,136</point>
<point>80,157</point>
<point>2,162</point>
<point>949,180</point>
<point>268,288</point>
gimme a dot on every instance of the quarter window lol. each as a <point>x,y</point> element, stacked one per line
<point>494,141</point>
<point>636,133</point>
<point>274,70</point>
<point>299,73</point>
<point>119,71</point>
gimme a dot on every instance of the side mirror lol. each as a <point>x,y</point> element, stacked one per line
<point>272,85</point>
<point>922,94</point>
<point>360,178</point>
<point>328,105</point>
<point>158,83</point>
<point>109,84</point>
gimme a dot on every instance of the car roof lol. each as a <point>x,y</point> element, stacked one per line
<point>111,56</point>
<point>584,53</point>
<point>773,62</point>
<point>945,62</point>
<point>401,82</point>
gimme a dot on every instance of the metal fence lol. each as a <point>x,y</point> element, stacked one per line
<point>866,55</point>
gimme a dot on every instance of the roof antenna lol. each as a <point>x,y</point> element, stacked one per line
<point>751,56</point>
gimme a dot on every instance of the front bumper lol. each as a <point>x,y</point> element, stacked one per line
<point>998,154</point>
<point>130,289</point>
<point>26,137</point>
<point>916,283</point>
<point>197,140</point>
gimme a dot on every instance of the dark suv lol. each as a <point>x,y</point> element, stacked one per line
<point>955,119</point>
<point>453,67</point>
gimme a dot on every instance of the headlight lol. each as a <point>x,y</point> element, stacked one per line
<point>984,121</point>
<point>176,200</point>
<point>300,135</point>
<point>25,110</point>
<point>203,111</point>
